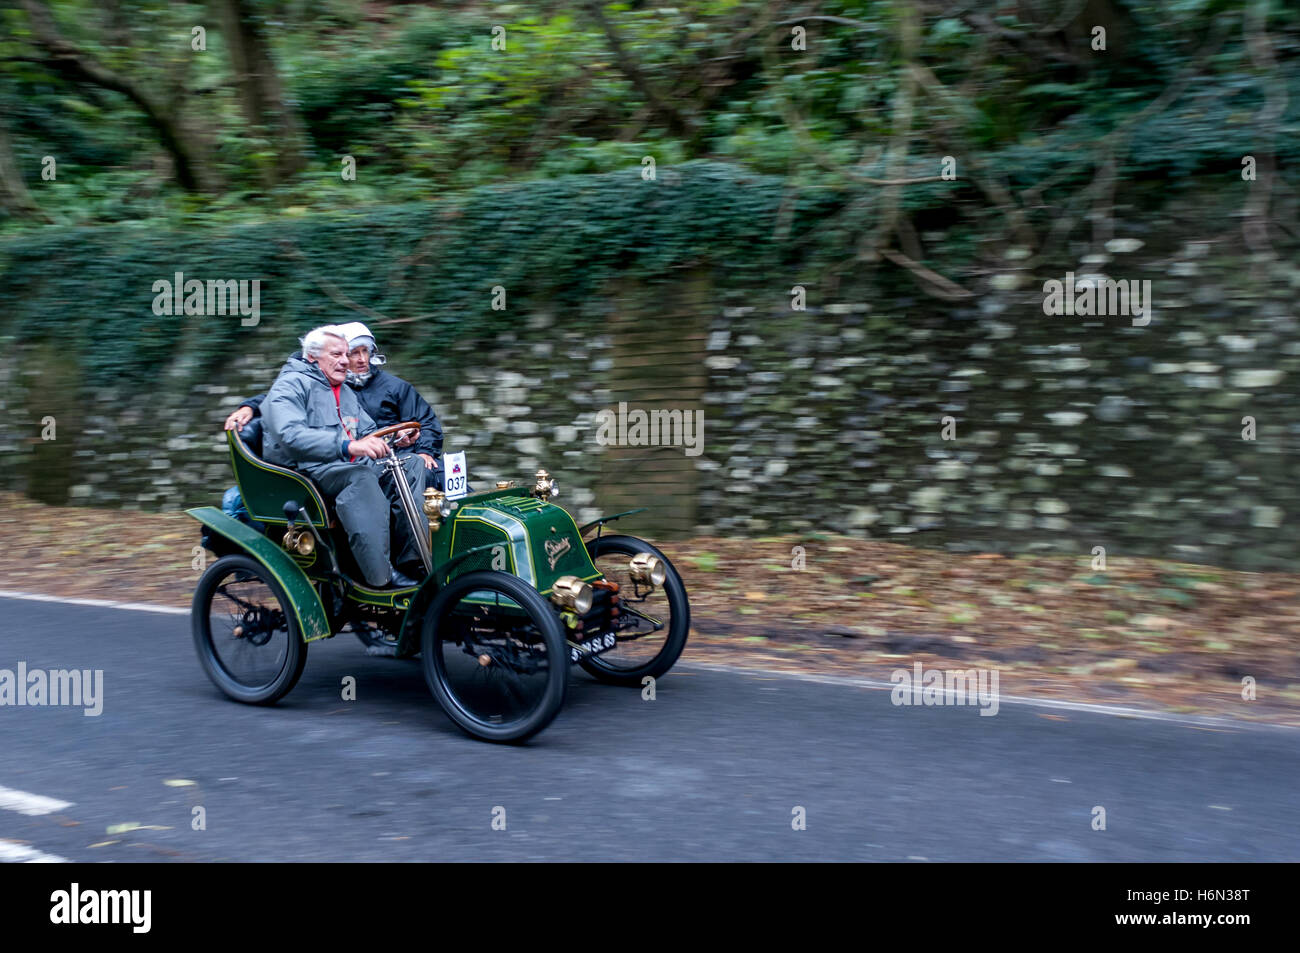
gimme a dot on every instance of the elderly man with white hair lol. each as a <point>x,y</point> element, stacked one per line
<point>316,425</point>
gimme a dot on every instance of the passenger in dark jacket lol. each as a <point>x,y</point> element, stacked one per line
<point>388,398</point>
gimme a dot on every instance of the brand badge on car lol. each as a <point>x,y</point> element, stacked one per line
<point>555,548</point>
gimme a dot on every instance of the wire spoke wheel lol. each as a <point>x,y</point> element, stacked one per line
<point>654,620</point>
<point>245,631</point>
<point>494,655</point>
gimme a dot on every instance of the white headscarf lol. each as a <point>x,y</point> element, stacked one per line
<point>358,335</point>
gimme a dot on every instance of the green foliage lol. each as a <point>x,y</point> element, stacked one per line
<point>560,243</point>
<point>428,109</point>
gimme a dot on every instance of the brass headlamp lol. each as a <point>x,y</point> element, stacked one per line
<point>437,507</point>
<point>647,569</point>
<point>570,592</point>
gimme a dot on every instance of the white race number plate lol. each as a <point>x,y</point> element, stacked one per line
<point>455,475</point>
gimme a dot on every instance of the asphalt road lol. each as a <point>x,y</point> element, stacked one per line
<point>712,769</point>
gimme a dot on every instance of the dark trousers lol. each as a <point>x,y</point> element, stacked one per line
<point>367,503</point>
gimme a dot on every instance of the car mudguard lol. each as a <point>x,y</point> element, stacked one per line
<point>409,639</point>
<point>312,620</point>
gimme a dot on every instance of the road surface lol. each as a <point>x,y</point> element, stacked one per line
<point>716,767</point>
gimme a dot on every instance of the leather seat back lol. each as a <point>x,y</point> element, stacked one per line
<point>266,487</point>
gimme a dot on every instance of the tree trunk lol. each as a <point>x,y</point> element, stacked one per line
<point>13,191</point>
<point>258,83</point>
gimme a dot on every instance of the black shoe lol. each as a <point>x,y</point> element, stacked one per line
<point>399,581</point>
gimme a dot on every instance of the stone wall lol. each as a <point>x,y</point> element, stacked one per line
<point>1067,432</point>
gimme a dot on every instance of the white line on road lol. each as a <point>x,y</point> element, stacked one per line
<point>33,805</point>
<point>11,853</point>
<point>1051,703</point>
<point>100,603</point>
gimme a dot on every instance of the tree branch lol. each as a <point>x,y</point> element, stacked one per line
<point>805,142</point>
<point>1029,43</point>
<point>191,172</point>
<point>935,283</point>
<point>629,67</point>
<point>909,28</point>
<point>870,27</point>
<point>994,190</point>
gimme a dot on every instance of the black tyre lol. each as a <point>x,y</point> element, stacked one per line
<point>663,615</point>
<point>245,631</point>
<point>495,656</point>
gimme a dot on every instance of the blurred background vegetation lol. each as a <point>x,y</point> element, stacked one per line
<point>792,143</point>
<point>1045,128</point>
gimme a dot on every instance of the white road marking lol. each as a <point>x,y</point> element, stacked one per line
<point>11,853</point>
<point>100,603</point>
<point>1051,703</point>
<point>33,805</point>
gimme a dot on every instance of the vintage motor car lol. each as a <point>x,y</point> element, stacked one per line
<point>515,593</point>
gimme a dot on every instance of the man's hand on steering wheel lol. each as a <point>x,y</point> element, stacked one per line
<point>396,436</point>
<point>373,447</point>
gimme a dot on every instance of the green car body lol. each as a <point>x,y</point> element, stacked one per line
<point>513,597</point>
<point>503,529</point>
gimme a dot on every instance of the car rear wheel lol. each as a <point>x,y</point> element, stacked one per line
<point>245,631</point>
<point>495,656</point>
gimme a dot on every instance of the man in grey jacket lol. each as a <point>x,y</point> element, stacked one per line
<point>316,425</point>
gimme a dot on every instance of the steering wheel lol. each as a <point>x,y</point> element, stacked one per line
<point>389,434</point>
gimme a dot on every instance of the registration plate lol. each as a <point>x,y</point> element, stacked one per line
<point>592,646</point>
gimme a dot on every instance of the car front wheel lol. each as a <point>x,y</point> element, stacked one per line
<point>656,619</point>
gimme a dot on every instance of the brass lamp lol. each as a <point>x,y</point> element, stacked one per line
<point>437,507</point>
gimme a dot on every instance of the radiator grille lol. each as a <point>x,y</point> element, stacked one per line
<point>470,534</point>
